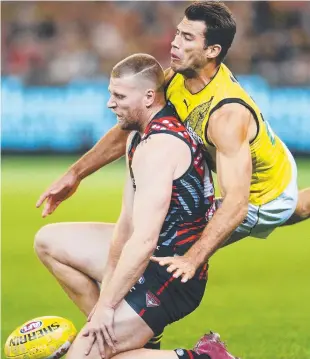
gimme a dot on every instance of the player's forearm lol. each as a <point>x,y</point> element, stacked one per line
<point>108,149</point>
<point>131,265</point>
<point>225,220</point>
<point>121,235</point>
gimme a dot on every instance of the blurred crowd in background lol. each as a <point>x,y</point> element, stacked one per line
<point>53,43</point>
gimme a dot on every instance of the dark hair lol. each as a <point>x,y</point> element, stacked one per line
<point>142,64</point>
<point>220,23</point>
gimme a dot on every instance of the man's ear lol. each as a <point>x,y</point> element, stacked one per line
<point>213,51</point>
<point>149,97</point>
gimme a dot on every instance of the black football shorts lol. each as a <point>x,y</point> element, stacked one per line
<point>160,299</point>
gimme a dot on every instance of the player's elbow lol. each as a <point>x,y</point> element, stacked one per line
<point>243,205</point>
<point>146,242</point>
<point>150,243</point>
<point>243,211</point>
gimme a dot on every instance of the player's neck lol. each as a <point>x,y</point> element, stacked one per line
<point>150,115</point>
<point>201,79</point>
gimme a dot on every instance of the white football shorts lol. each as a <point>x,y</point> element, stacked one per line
<point>262,220</point>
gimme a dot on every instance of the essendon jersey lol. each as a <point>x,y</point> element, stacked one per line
<point>192,193</point>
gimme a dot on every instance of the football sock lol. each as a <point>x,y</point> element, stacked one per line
<point>154,343</point>
<point>190,354</point>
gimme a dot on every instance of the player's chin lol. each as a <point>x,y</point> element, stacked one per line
<point>124,125</point>
<point>175,65</point>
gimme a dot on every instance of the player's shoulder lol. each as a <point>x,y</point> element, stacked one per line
<point>159,147</point>
<point>229,109</point>
<point>169,74</point>
<point>228,124</point>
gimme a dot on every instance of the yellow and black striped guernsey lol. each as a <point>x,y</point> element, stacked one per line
<point>271,166</point>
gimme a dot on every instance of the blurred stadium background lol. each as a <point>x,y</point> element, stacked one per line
<point>56,59</point>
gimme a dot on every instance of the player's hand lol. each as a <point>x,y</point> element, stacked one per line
<point>181,266</point>
<point>58,192</point>
<point>99,329</point>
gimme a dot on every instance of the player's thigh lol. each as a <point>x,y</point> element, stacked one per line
<point>147,354</point>
<point>130,330</point>
<point>81,245</point>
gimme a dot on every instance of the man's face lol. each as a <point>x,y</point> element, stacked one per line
<point>188,51</point>
<point>126,101</point>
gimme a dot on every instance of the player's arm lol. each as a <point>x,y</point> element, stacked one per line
<point>109,148</point>
<point>122,232</point>
<point>153,171</point>
<point>123,228</point>
<point>168,75</point>
<point>229,132</point>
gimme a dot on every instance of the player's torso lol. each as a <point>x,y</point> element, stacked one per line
<point>271,166</point>
<point>192,193</point>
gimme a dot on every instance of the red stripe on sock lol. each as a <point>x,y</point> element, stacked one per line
<point>190,354</point>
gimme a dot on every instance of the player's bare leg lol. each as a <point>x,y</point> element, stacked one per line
<point>208,347</point>
<point>130,330</point>
<point>147,354</point>
<point>302,210</point>
<point>76,254</point>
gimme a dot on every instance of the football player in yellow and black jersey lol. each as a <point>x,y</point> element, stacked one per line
<point>257,174</point>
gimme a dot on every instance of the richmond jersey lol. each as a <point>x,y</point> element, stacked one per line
<point>272,170</point>
<point>192,196</point>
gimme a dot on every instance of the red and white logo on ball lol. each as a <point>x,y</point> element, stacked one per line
<point>31,326</point>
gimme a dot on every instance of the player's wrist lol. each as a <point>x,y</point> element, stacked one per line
<point>75,172</point>
<point>194,259</point>
<point>106,302</point>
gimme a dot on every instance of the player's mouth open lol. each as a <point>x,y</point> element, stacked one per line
<point>174,57</point>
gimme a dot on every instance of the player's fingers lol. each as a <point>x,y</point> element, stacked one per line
<point>85,332</point>
<point>178,273</point>
<point>46,209</point>
<point>187,276</point>
<point>91,313</point>
<point>107,338</point>
<point>53,207</point>
<point>112,334</point>
<point>100,343</point>
<point>91,341</point>
<point>163,260</point>
<point>42,198</point>
<point>171,268</point>
<point>184,278</point>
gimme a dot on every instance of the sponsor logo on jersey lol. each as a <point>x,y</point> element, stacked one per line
<point>193,133</point>
<point>141,280</point>
<point>152,300</point>
<point>195,119</point>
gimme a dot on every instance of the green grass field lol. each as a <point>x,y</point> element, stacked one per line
<point>257,298</point>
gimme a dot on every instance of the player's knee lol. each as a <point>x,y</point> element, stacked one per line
<point>303,210</point>
<point>43,241</point>
<point>303,205</point>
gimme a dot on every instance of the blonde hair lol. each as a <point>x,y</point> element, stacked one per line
<point>141,65</point>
